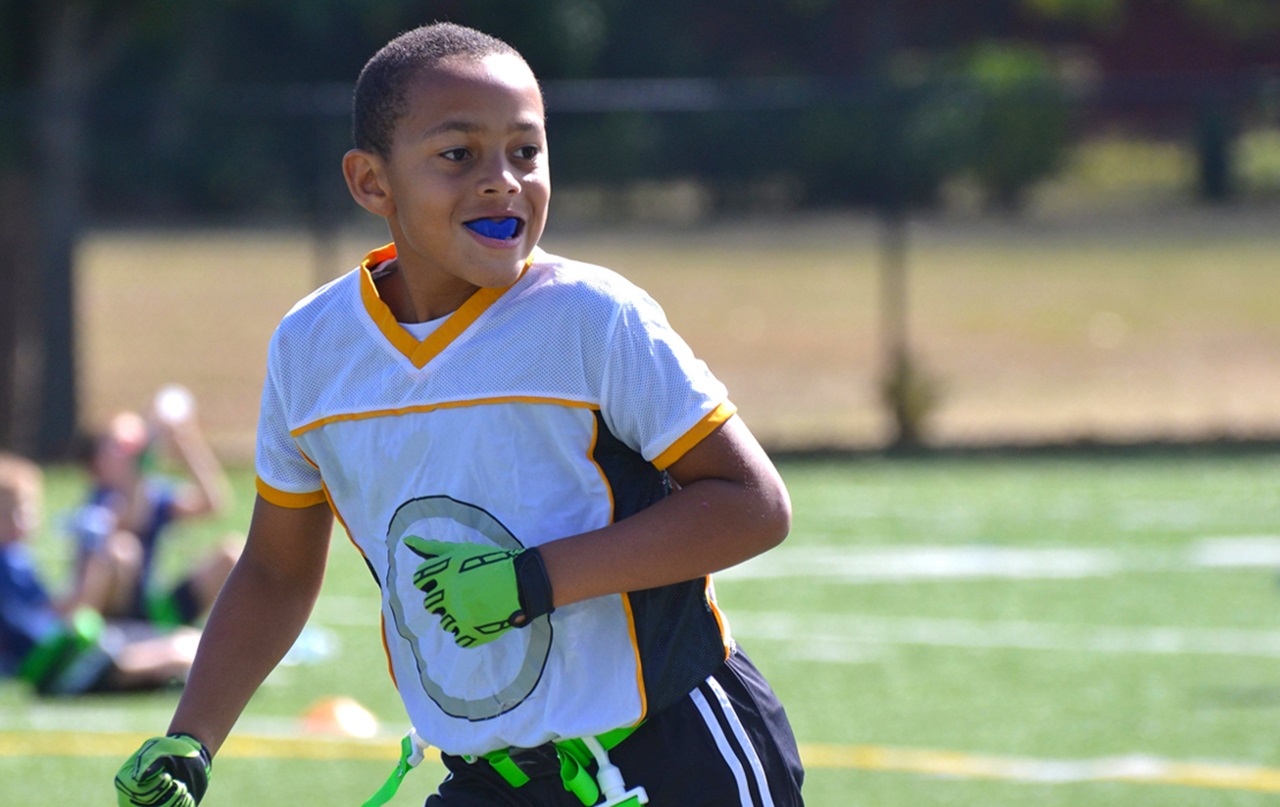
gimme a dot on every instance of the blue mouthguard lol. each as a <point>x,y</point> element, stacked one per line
<point>504,229</point>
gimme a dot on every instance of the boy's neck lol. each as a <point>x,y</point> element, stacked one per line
<point>419,302</point>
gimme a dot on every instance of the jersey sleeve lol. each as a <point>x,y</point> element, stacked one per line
<point>657,396</point>
<point>285,476</point>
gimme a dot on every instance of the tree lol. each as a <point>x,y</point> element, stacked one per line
<point>52,66</point>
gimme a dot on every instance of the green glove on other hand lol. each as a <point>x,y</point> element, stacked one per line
<point>168,771</point>
<point>480,592</point>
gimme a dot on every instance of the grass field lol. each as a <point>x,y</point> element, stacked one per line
<point>969,632</point>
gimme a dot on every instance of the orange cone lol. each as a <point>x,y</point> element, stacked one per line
<point>339,715</point>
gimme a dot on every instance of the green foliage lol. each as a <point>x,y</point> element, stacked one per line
<point>1241,20</point>
<point>996,114</point>
<point>1021,121</point>
<point>162,71</point>
<point>879,152</point>
<point>608,147</point>
<point>1096,13</point>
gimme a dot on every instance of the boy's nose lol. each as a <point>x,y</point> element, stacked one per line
<point>500,178</point>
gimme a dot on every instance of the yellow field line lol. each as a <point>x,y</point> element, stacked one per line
<point>1133,770</point>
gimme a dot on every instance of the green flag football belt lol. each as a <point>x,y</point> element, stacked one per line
<point>574,758</point>
<point>57,652</point>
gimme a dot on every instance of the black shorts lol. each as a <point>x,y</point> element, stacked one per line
<point>728,744</point>
<point>167,610</point>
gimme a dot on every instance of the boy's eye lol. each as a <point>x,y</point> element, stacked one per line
<point>528,152</point>
<point>456,155</point>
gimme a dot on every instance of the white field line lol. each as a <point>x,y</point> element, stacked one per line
<point>846,637</point>
<point>890,564</point>
<point>852,638</point>
<point>105,718</point>
<point>904,564</point>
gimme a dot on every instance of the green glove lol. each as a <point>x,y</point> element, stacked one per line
<point>480,592</point>
<point>168,771</point>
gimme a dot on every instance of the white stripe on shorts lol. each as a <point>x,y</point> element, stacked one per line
<point>726,747</point>
<point>739,731</point>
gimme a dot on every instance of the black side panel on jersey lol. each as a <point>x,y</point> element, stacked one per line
<point>678,635</point>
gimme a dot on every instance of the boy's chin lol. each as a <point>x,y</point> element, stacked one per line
<point>497,276</point>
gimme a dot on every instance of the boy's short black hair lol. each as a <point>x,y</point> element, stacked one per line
<point>380,90</point>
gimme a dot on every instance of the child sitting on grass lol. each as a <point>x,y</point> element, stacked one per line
<point>57,650</point>
<point>131,511</point>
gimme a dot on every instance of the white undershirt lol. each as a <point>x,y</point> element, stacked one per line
<point>418,330</point>
<point>421,330</point>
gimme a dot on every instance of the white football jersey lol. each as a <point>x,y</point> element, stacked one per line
<point>534,412</point>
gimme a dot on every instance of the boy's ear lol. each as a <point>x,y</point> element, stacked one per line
<point>365,173</point>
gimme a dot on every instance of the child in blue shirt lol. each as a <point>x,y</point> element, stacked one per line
<point>61,651</point>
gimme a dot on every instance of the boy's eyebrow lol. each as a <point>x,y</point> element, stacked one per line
<point>469,127</point>
<point>446,127</point>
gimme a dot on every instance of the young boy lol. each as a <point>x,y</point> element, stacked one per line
<point>539,474</point>
<point>68,652</point>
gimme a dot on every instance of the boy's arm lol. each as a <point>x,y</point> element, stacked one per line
<point>731,505</point>
<point>262,608</point>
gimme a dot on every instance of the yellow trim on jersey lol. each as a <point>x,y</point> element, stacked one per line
<point>635,645</point>
<point>386,648</point>
<point>419,353</point>
<point>713,420</point>
<point>283,498</point>
<point>604,478</point>
<point>626,598</point>
<point>405,410</point>
<point>709,591</point>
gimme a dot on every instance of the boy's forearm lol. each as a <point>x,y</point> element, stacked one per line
<point>705,527</point>
<point>731,505</point>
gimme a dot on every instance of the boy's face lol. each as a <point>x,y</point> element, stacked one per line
<point>19,510</point>
<point>118,451</point>
<point>471,146</point>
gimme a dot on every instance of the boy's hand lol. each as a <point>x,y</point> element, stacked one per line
<point>168,771</point>
<point>480,592</point>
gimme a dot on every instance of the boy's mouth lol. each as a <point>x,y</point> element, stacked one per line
<point>503,229</point>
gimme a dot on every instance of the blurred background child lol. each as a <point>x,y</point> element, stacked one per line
<point>131,508</point>
<point>56,647</point>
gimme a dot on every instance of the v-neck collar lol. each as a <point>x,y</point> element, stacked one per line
<point>419,353</point>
